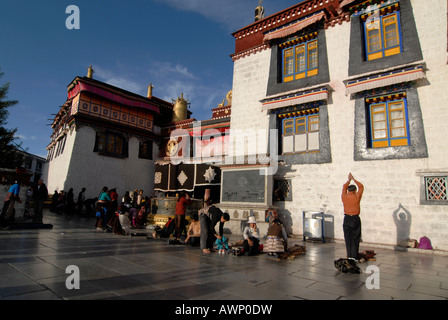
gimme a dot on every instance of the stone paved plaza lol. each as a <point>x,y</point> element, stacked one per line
<point>33,265</point>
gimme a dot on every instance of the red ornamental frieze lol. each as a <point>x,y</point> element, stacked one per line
<point>251,37</point>
<point>106,110</point>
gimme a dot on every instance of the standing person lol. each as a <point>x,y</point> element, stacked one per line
<point>113,205</point>
<point>209,217</point>
<point>101,208</point>
<point>140,198</point>
<point>251,236</point>
<point>70,208</point>
<point>134,197</point>
<point>8,204</point>
<point>81,199</point>
<point>54,201</point>
<point>179,215</point>
<point>351,199</point>
<point>127,199</point>
<point>40,194</point>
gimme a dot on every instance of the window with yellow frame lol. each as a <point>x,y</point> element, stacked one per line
<point>300,58</point>
<point>382,34</point>
<point>389,123</point>
<point>300,133</point>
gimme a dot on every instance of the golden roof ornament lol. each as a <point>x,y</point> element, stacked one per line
<point>228,99</point>
<point>259,11</point>
<point>150,87</point>
<point>90,72</point>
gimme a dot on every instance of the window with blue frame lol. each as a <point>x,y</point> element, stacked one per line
<point>389,125</point>
<point>300,133</point>
<point>299,58</point>
<point>382,33</point>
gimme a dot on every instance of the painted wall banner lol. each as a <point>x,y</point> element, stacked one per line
<point>246,186</point>
<point>185,177</point>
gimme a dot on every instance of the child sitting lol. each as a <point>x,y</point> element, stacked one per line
<point>222,245</point>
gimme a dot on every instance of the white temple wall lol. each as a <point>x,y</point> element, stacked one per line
<point>392,187</point>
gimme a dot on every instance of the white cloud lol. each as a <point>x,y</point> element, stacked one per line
<point>168,70</point>
<point>119,81</point>
<point>233,14</point>
<point>25,137</point>
<point>170,80</point>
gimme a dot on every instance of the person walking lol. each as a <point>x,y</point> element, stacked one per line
<point>12,196</point>
<point>102,206</point>
<point>81,200</point>
<point>40,194</point>
<point>179,215</point>
<point>351,199</point>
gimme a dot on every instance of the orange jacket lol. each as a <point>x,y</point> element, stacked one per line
<point>351,200</point>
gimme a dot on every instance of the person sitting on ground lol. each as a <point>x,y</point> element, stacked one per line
<point>140,219</point>
<point>277,239</point>
<point>133,211</point>
<point>251,236</point>
<point>61,203</point>
<point>123,218</point>
<point>54,201</point>
<point>194,231</point>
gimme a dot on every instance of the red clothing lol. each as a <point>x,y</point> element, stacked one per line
<point>351,200</point>
<point>181,205</point>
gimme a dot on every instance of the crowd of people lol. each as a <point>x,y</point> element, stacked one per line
<point>131,211</point>
<point>119,216</point>
<point>206,230</point>
<point>105,207</point>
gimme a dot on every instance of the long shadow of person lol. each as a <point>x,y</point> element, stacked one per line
<point>402,218</point>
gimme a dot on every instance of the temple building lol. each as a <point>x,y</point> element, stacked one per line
<point>348,86</point>
<point>106,136</point>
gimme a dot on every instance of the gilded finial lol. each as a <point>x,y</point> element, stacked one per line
<point>90,72</point>
<point>150,87</point>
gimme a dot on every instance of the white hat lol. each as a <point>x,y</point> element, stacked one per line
<point>251,220</point>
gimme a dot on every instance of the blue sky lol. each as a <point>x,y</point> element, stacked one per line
<point>180,46</point>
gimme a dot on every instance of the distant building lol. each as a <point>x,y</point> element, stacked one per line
<point>33,164</point>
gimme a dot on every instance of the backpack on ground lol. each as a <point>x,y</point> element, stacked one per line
<point>345,266</point>
<point>425,243</point>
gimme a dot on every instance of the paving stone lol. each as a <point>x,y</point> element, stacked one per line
<point>112,267</point>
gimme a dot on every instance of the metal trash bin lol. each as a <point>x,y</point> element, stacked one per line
<point>313,225</point>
